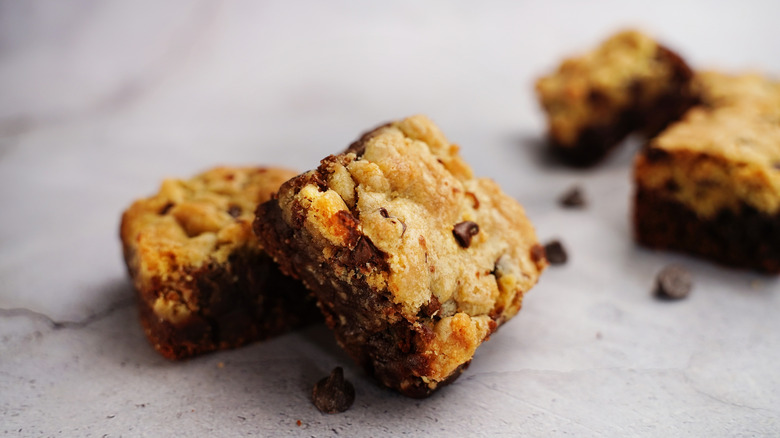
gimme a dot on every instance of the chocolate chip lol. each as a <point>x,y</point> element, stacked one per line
<point>573,198</point>
<point>365,253</point>
<point>673,283</point>
<point>384,213</point>
<point>537,254</point>
<point>234,210</point>
<point>333,394</point>
<point>556,253</point>
<point>464,231</point>
<point>777,165</point>
<point>165,209</point>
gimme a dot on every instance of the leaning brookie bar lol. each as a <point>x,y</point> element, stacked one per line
<point>629,83</point>
<point>709,185</point>
<point>413,260</point>
<point>203,281</point>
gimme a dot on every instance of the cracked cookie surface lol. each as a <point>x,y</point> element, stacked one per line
<point>414,261</point>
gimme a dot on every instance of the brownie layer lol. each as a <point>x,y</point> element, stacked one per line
<point>744,239</point>
<point>247,299</point>
<point>385,349</point>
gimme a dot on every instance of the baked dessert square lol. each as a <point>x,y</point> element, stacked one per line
<point>709,185</point>
<point>203,281</point>
<point>414,261</point>
<point>593,101</point>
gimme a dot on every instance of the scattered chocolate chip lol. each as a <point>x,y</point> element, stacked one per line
<point>777,165</point>
<point>573,198</point>
<point>673,283</point>
<point>464,231</point>
<point>556,253</point>
<point>384,213</point>
<point>166,208</point>
<point>234,210</point>
<point>333,394</point>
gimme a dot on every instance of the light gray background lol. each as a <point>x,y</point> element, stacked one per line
<point>101,100</point>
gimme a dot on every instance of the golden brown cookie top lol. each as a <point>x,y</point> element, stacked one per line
<point>723,153</point>
<point>192,222</point>
<point>716,89</point>
<point>741,134</point>
<point>451,241</point>
<point>628,68</point>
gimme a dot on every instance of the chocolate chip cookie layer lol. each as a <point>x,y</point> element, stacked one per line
<point>413,260</point>
<point>203,281</point>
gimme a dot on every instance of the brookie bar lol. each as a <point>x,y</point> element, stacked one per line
<point>629,83</point>
<point>709,185</point>
<point>413,260</point>
<point>203,281</point>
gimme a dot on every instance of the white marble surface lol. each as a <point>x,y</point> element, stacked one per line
<point>101,100</point>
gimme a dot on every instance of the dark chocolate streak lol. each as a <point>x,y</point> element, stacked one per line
<point>744,239</point>
<point>369,327</point>
<point>245,300</point>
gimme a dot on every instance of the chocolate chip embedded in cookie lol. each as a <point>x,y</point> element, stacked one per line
<point>203,281</point>
<point>414,261</point>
